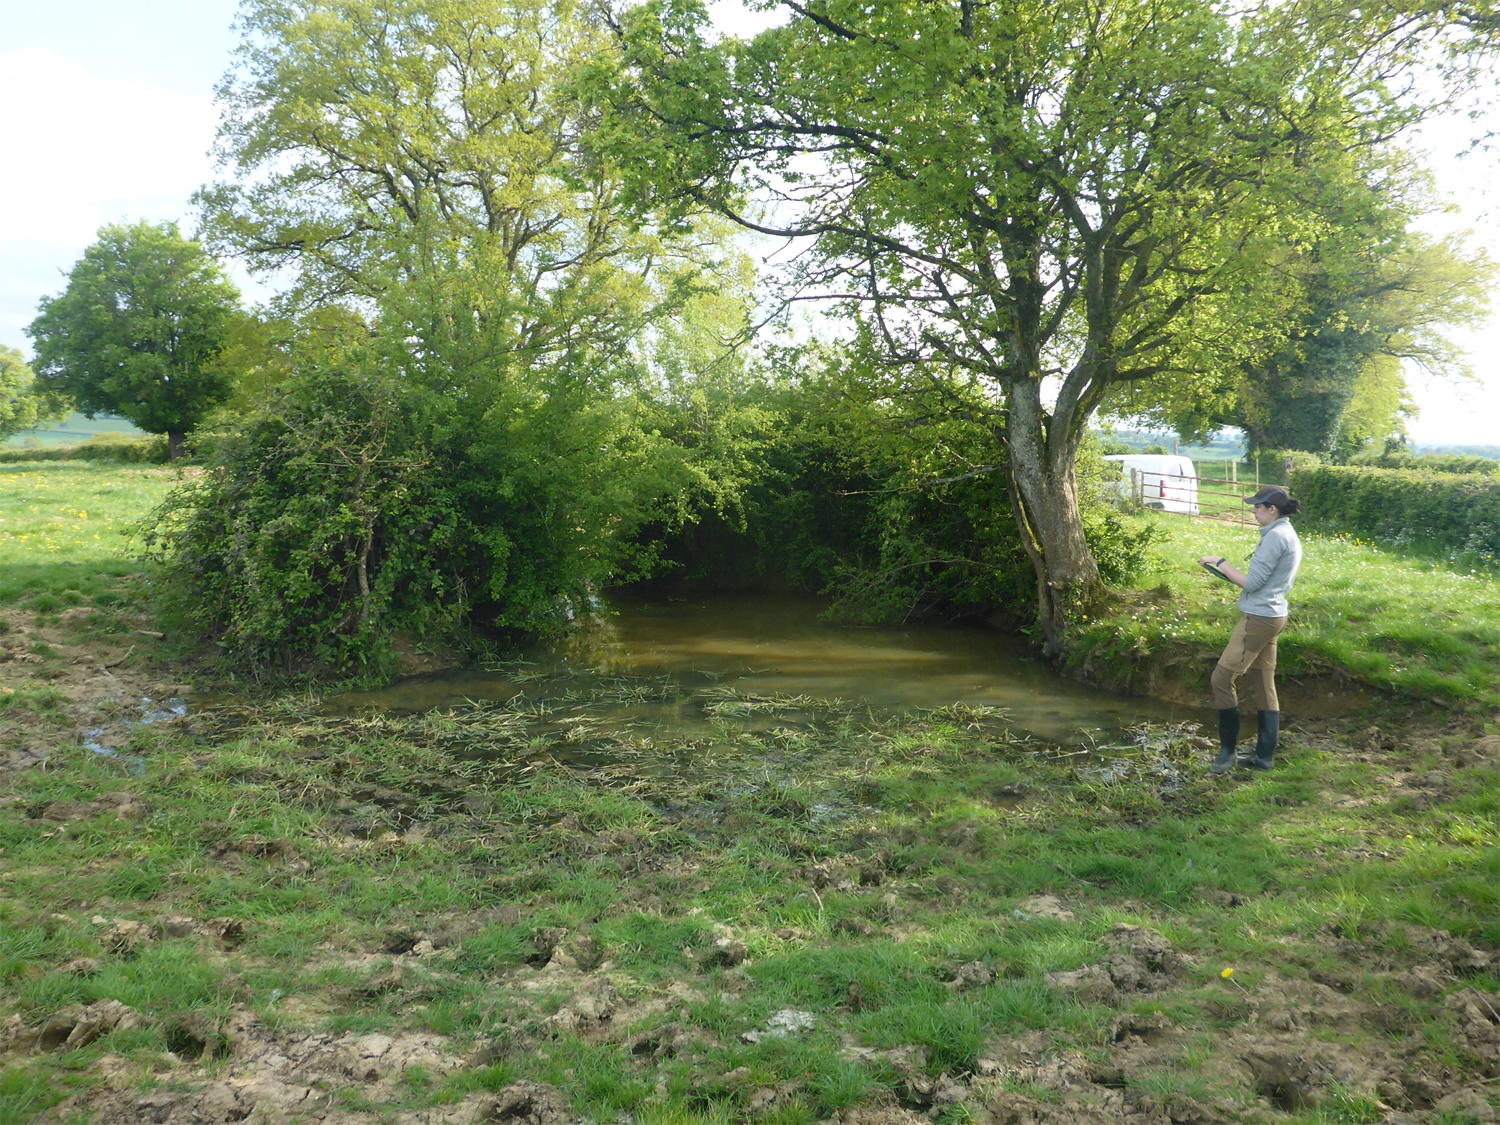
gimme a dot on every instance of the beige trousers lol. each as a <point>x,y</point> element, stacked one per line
<point>1252,649</point>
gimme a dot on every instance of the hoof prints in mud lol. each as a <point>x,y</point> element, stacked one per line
<point>71,1028</point>
<point>299,1078</point>
<point>1141,961</point>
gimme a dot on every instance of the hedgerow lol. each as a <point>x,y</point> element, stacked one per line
<point>894,510</point>
<point>362,503</point>
<point>150,449</point>
<point>1451,512</point>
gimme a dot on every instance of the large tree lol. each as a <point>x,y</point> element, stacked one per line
<point>420,161</point>
<point>1053,198</point>
<point>1360,300</point>
<point>21,407</point>
<point>1355,329</point>
<point>139,331</point>
<point>460,430</point>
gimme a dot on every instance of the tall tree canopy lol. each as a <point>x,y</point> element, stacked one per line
<point>1048,199</point>
<point>139,329</point>
<point>1358,297</point>
<point>1394,306</point>
<point>423,159</point>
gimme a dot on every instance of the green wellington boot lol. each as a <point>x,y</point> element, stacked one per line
<point>1267,730</point>
<point>1229,733</point>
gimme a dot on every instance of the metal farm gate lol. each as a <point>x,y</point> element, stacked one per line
<point>1214,491</point>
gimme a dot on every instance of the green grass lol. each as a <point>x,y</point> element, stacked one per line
<point>64,529</point>
<point>1412,625</point>
<point>937,874</point>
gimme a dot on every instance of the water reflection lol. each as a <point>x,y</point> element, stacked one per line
<point>680,665</point>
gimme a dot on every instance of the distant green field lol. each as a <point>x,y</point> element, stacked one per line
<point>73,429</point>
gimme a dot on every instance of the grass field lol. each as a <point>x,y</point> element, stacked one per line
<point>64,529</point>
<point>815,913</point>
<point>915,886</point>
<point>1389,619</point>
<point>72,430</point>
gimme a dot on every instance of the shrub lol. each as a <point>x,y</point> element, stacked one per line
<point>870,501</point>
<point>1452,512</point>
<point>361,504</point>
<point>151,449</point>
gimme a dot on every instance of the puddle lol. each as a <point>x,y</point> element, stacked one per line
<point>94,738</point>
<point>682,668</point>
<point>169,712</point>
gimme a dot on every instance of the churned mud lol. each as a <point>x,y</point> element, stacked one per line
<point>803,913</point>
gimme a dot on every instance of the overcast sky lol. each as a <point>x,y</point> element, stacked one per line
<point>107,115</point>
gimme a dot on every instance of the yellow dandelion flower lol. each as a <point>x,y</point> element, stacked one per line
<point>1227,973</point>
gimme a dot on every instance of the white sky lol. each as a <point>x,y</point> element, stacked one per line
<point>107,115</point>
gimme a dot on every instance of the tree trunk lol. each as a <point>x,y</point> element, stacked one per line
<point>1044,499</point>
<point>176,445</point>
<point>364,571</point>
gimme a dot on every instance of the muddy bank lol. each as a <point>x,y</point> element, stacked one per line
<point>1181,678</point>
<point>84,677</point>
<point>1179,674</point>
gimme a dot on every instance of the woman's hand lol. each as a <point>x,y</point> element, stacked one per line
<point>1229,572</point>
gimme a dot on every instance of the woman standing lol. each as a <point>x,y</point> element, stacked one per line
<point>1263,613</point>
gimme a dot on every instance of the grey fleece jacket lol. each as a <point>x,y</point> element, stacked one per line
<point>1273,569</point>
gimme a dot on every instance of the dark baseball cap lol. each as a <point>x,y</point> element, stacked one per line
<point>1270,494</point>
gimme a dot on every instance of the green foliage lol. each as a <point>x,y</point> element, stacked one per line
<point>262,351</point>
<point>427,156</point>
<point>1378,411</point>
<point>899,510</point>
<point>1457,512</point>
<point>359,505</point>
<point>1375,296</point>
<point>21,408</point>
<point>1121,235</point>
<point>483,383</point>
<point>138,330</point>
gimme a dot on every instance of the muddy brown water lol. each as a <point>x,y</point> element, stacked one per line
<point>655,663</point>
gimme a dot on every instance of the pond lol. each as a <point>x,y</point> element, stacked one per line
<point>677,666</point>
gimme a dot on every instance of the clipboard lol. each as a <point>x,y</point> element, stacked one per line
<point>1213,569</point>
